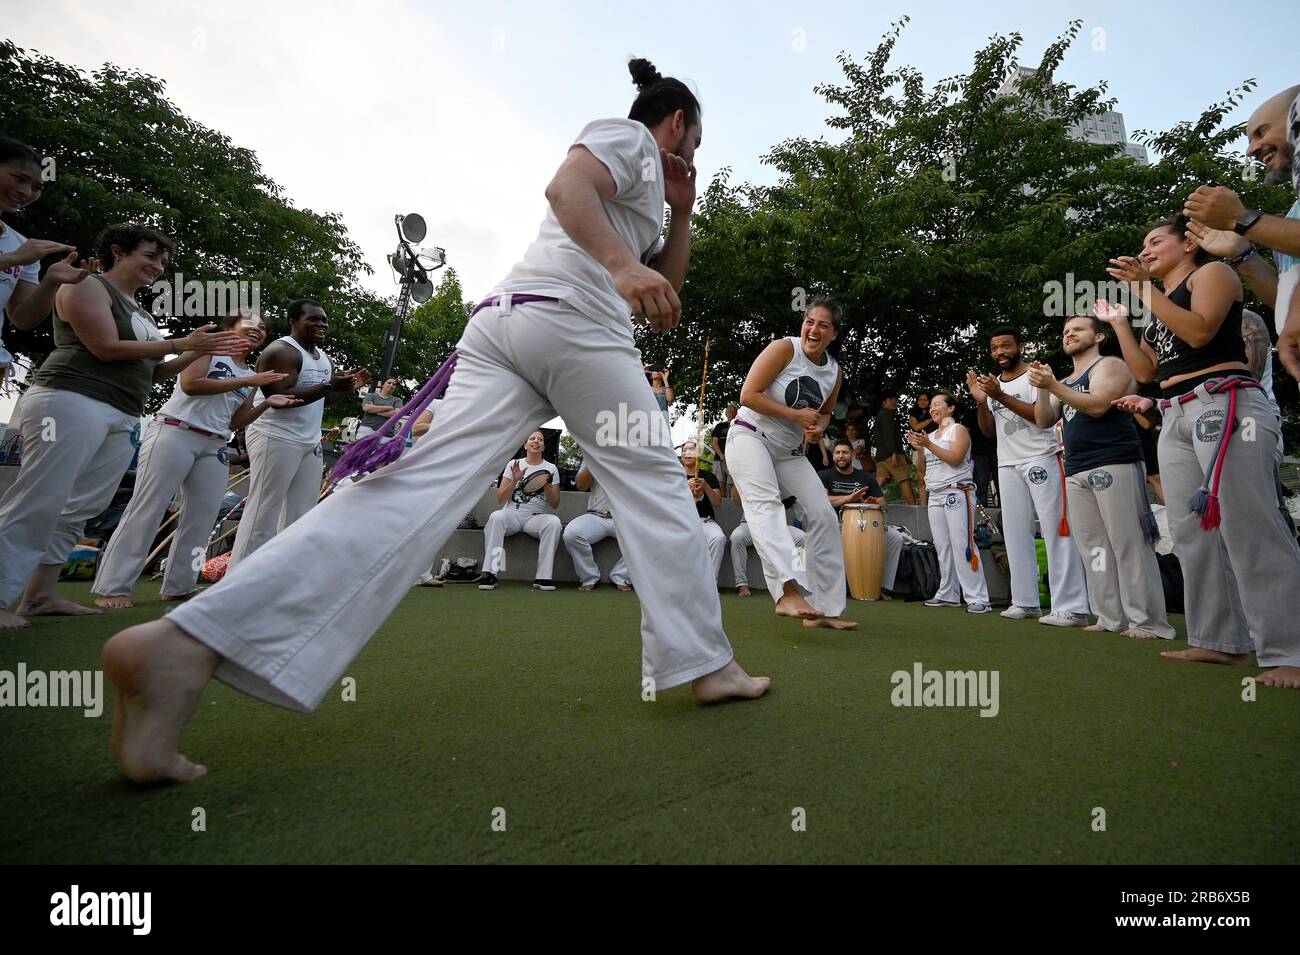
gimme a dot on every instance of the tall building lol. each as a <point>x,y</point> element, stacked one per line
<point>1104,128</point>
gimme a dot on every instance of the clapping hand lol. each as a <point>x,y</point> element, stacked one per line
<point>1134,404</point>
<point>973,386</point>
<point>1040,375</point>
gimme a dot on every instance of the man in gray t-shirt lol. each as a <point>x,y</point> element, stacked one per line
<point>378,406</point>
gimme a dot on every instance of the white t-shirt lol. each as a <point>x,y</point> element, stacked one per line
<point>534,503</point>
<point>599,500</point>
<point>301,423</point>
<point>1020,441</point>
<point>800,384</point>
<point>210,412</point>
<point>939,474</point>
<point>10,240</point>
<point>557,266</point>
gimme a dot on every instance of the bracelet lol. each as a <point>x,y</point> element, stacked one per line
<point>1236,260</point>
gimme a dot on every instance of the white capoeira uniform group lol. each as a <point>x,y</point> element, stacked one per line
<point>951,511</point>
<point>290,619</point>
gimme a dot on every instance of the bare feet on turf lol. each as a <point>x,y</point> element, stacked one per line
<point>1137,633</point>
<point>1200,655</point>
<point>10,621</point>
<point>1095,628</point>
<point>623,588</point>
<point>792,604</point>
<point>586,588</point>
<point>116,603</point>
<point>832,623</point>
<point>729,683</point>
<point>176,597</point>
<point>1285,678</point>
<point>159,674</point>
<point>54,607</point>
<point>743,591</point>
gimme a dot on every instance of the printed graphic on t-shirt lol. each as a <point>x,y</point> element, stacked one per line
<point>1160,337</point>
<point>804,392</point>
<point>521,496</point>
<point>220,371</point>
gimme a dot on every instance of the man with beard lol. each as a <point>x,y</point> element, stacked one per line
<point>1223,226</point>
<point>846,484</point>
<point>1031,479</point>
<point>1110,520</point>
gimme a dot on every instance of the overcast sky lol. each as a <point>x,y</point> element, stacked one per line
<point>462,111</point>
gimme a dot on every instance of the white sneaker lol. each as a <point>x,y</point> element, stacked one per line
<point>1065,620</point>
<point>1021,613</point>
<point>936,602</point>
<point>978,608</point>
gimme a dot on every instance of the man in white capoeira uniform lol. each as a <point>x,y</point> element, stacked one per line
<point>556,339</point>
<point>524,510</point>
<point>585,531</point>
<point>1031,479</point>
<point>284,444</point>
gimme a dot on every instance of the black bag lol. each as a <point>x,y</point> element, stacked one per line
<point>918,571</point>
<point>1171,581</point>
<point>462,570</point>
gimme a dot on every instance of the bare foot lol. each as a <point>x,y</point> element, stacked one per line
<point>793,605</point>
<point>1095,628</point>
<point>172,597</point>
<point>10,621</point>
<point>832,623</point>
<point>159,674</point>
<point>623,588</point>
<point>1200,655</point>
<point>743,591</point>
<point>586,588</point>
<point>1137,633</point>
<point>729,683</point>
<point>1285,678</point>
<point>115,603</point>
<point>54,607</point>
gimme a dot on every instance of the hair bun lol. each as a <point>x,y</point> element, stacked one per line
<point>643,73</point>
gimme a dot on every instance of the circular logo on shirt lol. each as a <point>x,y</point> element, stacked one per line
<point>1038,474</point>
<point>1100,479</point>
<point>951,501</point>
<point>1210,425</point>
<point>223,455</point>
<point>804,392</point>
<point>318,450</point>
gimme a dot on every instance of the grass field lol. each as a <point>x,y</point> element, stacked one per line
<point>530,702</point>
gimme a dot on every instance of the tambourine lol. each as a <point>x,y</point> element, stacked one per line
<point>535,482</point>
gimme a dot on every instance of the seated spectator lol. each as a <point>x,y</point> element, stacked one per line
<point>742,540</point>
<point>589,529</point>
<point>704,488</point>
<point>529,485</point>
<point>848,485</point>
<point>377,407</point>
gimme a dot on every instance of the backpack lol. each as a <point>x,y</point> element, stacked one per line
<point>462,570</point>
<point>918,570</point>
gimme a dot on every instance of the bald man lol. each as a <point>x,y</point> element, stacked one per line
<point>1225,227</point>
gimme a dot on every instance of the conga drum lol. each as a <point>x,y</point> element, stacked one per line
<point>862,529</point>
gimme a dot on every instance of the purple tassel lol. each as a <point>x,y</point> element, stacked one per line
<point>1150,529</point>
<point>1200,502</point>
<point>376,450</point>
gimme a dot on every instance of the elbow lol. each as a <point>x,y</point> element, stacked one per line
<point>555,191</point>
<point>1145,376</point>
<point>189,389</point>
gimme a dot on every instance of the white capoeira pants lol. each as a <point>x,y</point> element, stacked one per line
<point>580,535</point>
<point>1242,578</point>
<point>284,485</point>
<point>1023,489</point>
<point>1124,589</point>
<point>952,521</point>
<point>765,478</point>
<point>715,540</point>
<point>511,520</point>
<point>170,459</point>
<point>290,619</point>
<point>75,451</point>
<point>741,541</point>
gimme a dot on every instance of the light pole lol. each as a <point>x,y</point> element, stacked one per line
<point>413,273</point>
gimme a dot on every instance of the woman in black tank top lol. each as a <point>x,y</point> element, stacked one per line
<point>1194,328</point>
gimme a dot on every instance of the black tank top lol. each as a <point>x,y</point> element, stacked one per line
<point>1175,357</point>
<point>1093,442</point>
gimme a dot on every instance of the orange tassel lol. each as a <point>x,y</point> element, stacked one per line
<point>1063,529</point>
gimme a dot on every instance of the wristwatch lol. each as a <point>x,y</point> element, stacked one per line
<point>1246,220</point>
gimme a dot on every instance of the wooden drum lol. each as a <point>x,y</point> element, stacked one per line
<point>862,529</point>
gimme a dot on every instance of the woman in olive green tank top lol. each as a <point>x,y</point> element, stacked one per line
<point>80,416</point>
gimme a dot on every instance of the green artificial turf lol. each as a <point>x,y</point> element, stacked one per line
<point>529,701</point>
